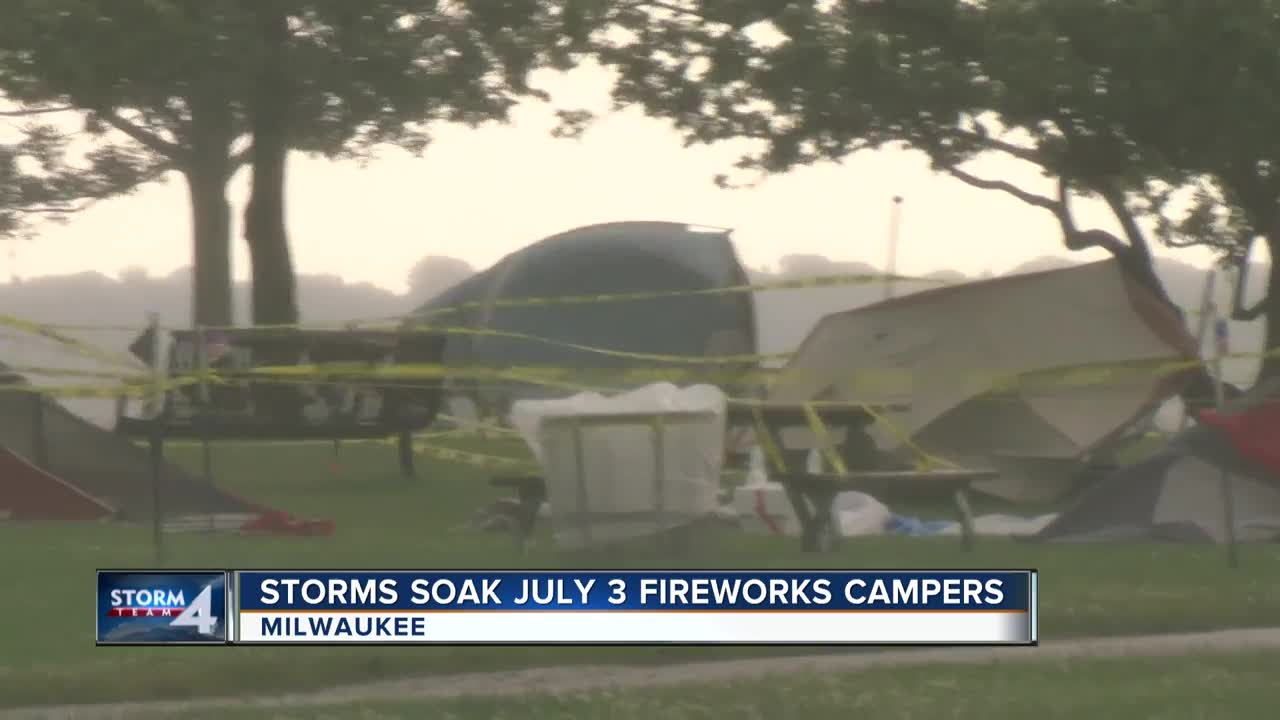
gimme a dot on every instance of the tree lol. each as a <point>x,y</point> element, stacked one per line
<point>434,274</point>
<point>191,83</point>
<point>149,80</point>
<point>133,275</point>
<point>1221,137</point>
<point>1090,93</point>
<point>339,79</point>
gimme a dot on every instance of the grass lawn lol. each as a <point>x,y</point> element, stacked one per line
<point>384,521</point>
<point>1225,686</point>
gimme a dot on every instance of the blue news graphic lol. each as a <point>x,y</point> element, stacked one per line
<point>285,591</point>
<point>162,607</point>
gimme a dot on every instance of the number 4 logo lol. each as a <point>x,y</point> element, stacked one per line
<point>199,614</point>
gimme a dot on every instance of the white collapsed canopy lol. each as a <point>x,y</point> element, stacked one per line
<point>945,350</point>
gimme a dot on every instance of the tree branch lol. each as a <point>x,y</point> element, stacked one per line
<point>669,6</point>
<point>1115,199</point>
<point>94,197</point>
<point>28,112</point>
<point>52,209</point>
<point>1087,239</point>
<point>1075,239</point>
<point>986,140</point>
<point>1065,220</point>
<point>1136,251</point>
<point>1250,314</point>
<point>1027,197</point>
<point>147,139</point>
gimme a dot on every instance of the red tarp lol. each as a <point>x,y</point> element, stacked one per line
<point>29,493</point>
<point>278,523</point>
<point>1255,433</point>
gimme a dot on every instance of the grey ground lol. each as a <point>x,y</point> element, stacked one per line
<point>571,679</point>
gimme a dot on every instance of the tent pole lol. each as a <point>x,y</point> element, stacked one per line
<point>202,367</point>
<point>158,420</point>
<point>1220,333</point>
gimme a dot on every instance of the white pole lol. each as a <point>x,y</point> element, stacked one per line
<point>1208,313</point>
<point>1220,350</point>
<point>158,368</point>
<point>895,222</point>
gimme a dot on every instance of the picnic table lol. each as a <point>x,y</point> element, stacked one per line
<point>812,494</point>
<point>350,406</point>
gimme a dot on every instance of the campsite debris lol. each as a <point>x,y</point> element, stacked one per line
<point>959,345</point>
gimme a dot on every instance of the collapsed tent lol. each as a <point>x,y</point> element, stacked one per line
<point>954,345</point>
<point>1252,426</point>
<point>607,259</point>
<point>1178,494</point>
<point>57,466</point>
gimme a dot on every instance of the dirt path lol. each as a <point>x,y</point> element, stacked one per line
<point>571,679</point>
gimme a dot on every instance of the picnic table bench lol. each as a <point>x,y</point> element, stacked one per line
<point>811,495</point>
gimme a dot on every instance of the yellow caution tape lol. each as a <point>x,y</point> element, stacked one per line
<point>73,372</point>
<point>478,427</point>
<point>474,459</point>
<point>821,281</point>
<point>925,460</point>
<point>655,357</point>
<point>612,379</point>
<point>605,379</point>
<point>880,380</point>
<point>819,429</point>
<point>68,343</point>
<point>100,391</point>
<point>763,436</point>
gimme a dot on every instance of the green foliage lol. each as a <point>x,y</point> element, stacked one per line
<point>168,84</point>
<point>362,74</point>
<point>1142,103</point>
<point>41,178</point>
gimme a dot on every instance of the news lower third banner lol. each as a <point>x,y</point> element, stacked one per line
<point>713,607</point>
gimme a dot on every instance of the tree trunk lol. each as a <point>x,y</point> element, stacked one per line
<point>274,301</point>
<point>274,295</point>
<point>211,235</point>
<point>1199,393</point>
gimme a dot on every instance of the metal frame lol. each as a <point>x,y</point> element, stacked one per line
<point>658,422</point>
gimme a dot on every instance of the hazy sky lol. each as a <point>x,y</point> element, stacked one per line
<point>479,194</point>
